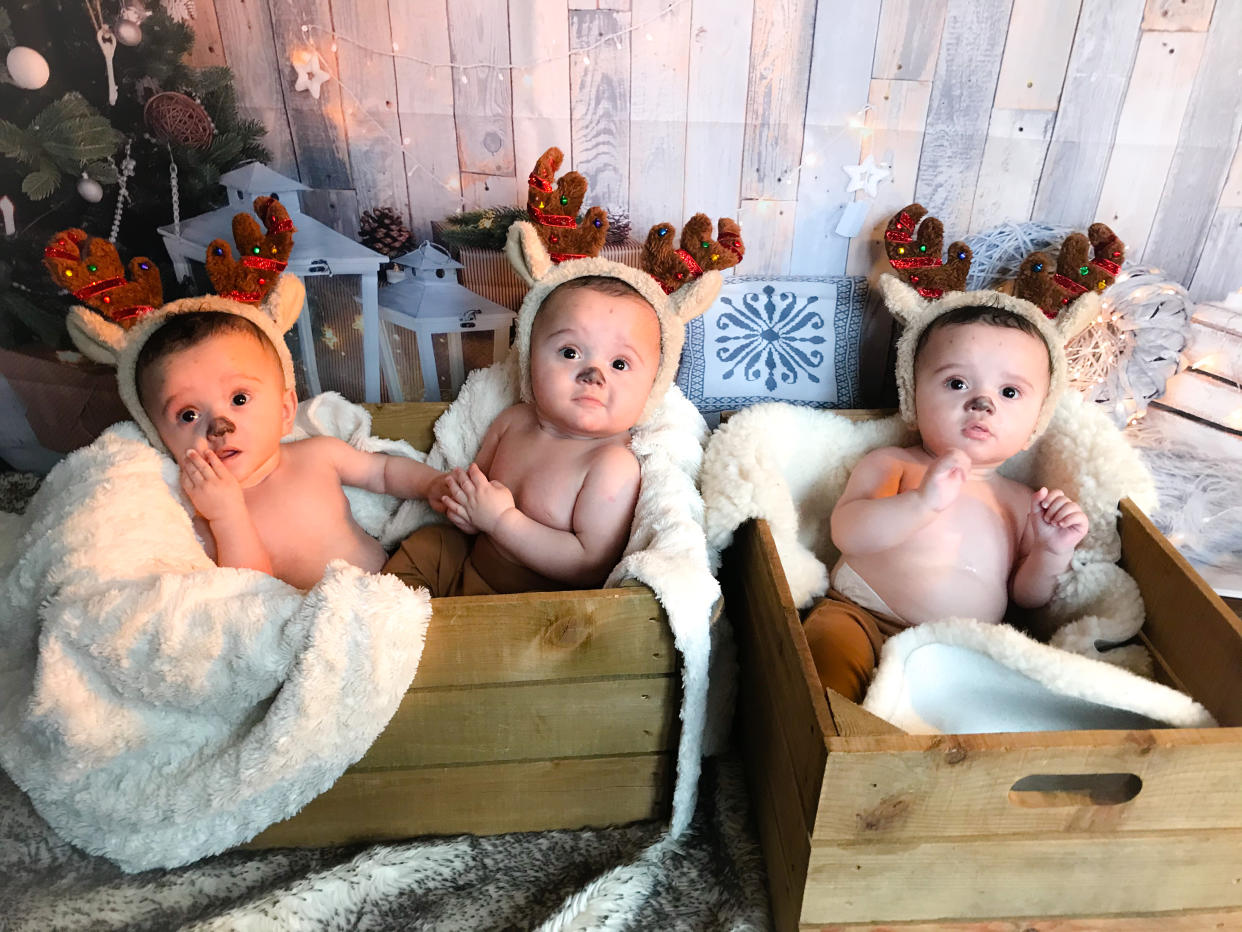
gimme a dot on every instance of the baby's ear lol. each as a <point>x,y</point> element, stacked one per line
<point>526,253</point>
<point>95,336</point>
<point>903,302</point>
<point>695,297</point>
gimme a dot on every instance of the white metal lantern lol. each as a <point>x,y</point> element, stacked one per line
<point>429,301</point>
<point>318,251</point>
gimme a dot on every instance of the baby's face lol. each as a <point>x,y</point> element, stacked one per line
<point>593,360</point>
<point>979,388</point>
<point>225,394</point>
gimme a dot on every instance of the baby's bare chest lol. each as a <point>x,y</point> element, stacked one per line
<point>545,478</point>
<point>305,511</point>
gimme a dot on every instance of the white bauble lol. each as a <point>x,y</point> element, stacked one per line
<point>90,189</point>
<point>127,32</point>
<point>27,67</point>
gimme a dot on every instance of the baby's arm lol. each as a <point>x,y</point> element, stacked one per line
<point>381,472</point>
<point>1054,527</point>
<point>872,513</point>
<point>218,498</point>
<point>603,512</point>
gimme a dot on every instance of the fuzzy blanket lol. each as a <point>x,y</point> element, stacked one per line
<point>789,465</point>
<point>157,708</point>
<point>666,551</point>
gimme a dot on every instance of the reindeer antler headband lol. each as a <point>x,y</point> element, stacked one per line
<point>120,313</point>
<point>1059,300</point>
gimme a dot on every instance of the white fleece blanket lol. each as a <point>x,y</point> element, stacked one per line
<point>157,708</point>
<point>789,465</point>
<point>666,551</point>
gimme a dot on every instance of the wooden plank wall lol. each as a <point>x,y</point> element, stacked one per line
<point>1127,111</point>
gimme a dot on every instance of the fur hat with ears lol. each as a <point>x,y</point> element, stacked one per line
<point>119,321</point>
<point>533,264</point>
<point>925,287</point>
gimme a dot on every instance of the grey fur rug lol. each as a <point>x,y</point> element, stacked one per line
<point>627,878</point>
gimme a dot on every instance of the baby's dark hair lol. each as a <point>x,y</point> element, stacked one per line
<point>979,314</point>
<point>603,284</point>
<point>183,331</point>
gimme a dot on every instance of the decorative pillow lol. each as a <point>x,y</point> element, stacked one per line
<point>794,339</point>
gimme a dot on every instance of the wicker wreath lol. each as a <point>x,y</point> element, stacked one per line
<point>178,119</point>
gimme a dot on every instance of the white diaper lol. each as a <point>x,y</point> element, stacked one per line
<point>847,582</point>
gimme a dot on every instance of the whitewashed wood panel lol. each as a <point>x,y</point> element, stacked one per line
<point>767,226</point>
<point>1179,15</point>
<point>907,39</point>
<point>896,120</point>
<point>1219,271</point>
<point>1147,133</point>
<point>960,107</point>
<point>539,30</point>
<point>369,102</point>
<point>659,67</point>
<point>600,104</point>
<point>716,124</point>
<point>1012,162</point>
<point>491,191</point>
<point>337,209</point>
<point>425,117</point>
<point>1033,67</point>
<point>208,48</point>
<point>841,60</point>
<point>482,99</point>
<point>1095,87</point>
<point>1209,135</point>
<point>776,96</point>
<point>317,126</point>
<point>1231,195</point>
<point>246,31</point>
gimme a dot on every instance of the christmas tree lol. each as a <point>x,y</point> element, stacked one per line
<point>63,142</point>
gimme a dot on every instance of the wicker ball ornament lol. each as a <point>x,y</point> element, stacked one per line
<point>178,119</point>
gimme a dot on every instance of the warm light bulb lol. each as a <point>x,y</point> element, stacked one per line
<point>586,59</point>
<point>395,47</point>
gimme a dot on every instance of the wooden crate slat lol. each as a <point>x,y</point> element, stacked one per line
<point>483,799</point>
<point>1206,661</point>
<point>1181,921</point>
<point>545,636</point>
<point>528,722</point>
<point>960,787</point>
<point>1056,875</point>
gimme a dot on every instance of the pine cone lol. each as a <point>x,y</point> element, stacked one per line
<point>618,226</point>
<point>383,229</point>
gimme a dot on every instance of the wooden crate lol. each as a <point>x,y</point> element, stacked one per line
<point>861,823</point>
<point>528,712</point>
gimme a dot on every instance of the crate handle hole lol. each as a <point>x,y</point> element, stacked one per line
<point>1046,790</point>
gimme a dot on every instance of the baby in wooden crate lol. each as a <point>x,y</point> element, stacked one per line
<point>549,500</point>
<point>932,531</point>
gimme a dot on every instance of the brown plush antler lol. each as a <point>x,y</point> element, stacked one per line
<point>913,249</point>
<point>1055,287</point>
<point>91,269</point>
<point>673,267</point>
<point>554,209</point>
<point>250,278</point>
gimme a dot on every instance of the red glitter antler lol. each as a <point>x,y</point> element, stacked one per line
<point>264,256</point>
<point>913,242</point>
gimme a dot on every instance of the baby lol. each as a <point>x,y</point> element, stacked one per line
<point>933,531</point>
<point>550,496</point>
<point>214,387</point>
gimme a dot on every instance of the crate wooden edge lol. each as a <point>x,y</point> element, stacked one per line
<point>785,849</point>
<point>649,793</point>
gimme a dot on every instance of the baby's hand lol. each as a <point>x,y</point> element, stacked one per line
<point>1057,521</point>
<point>438,492</point>
<point>943,480</point>
<point>475,501</point>
<point>212,489</point>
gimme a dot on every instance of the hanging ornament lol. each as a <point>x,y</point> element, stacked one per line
<point>90,189</point>
<point>310,72</point>
<point>128,27</point>
<point>178,119</point>
<point>867,176</point>
<point>180,10</point>
<point>122,189</point>
<point>28,69</point>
